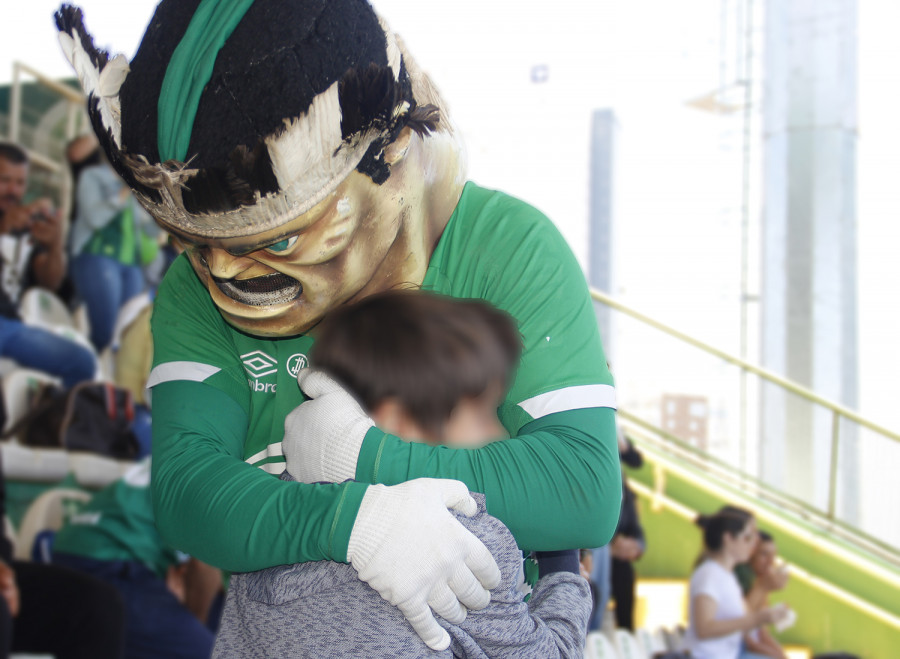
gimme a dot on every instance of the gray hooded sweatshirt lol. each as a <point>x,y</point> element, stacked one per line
<point>322,609</point>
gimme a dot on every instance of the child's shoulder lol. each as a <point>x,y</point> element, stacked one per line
<point>496,537</point>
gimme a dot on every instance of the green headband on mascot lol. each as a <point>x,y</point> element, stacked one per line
<point>236,116</point>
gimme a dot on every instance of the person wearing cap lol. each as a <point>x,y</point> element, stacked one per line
<point>303,159</point>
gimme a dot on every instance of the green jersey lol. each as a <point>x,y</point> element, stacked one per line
<point>117,525</point>
<point>505,252</point>
<point>220,394</point>
<point>258,374</point>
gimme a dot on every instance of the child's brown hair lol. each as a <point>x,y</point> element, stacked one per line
<point>427,351</point>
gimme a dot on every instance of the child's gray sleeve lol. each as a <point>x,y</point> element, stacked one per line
<point>551,625</point>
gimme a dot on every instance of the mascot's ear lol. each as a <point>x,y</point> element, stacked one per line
<point>396,150</point>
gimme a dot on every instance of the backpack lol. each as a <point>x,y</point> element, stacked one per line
<point>91,416</point>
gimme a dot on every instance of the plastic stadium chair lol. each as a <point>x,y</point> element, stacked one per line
<point>16,388</point>
<point>598,646</point>
<point>627,645</point>
<point>650,643</point>
<point>41,307</point>
<point>46,513</point>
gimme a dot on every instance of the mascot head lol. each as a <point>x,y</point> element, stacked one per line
<point>273,137</point>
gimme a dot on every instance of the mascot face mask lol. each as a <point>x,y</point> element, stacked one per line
<point>331,254</point>
<point>271,137</point>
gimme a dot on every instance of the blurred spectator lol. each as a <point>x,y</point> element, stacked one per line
<point>111,237</point>
<point>718,616</point>
<point>45,609</point>
<point>612,573</point>
<point>767,577</point>
<point>114,538</point>
<point>133,349</point>
<point>31,254</point>
<point>628,543</point>
<point>601,585</point>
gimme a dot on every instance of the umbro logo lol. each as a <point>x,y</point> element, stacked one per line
<point>259,363</point>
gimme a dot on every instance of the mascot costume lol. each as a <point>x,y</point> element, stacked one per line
<point>304,161</point>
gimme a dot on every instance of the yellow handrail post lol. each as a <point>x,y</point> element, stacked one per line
<point>832,479</point>
<point>15,103</point>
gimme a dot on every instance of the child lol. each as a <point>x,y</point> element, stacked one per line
<point>433,369</point>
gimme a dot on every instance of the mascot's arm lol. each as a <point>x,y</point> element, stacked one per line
<point>556,486</point>
<point>557,483</point>
<point>211,504</point>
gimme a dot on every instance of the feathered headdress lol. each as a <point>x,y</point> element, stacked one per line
<point>237,116</point>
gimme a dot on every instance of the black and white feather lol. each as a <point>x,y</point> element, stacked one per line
<point>101,78</point>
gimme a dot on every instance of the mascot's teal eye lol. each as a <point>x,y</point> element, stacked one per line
<point>282,245</point>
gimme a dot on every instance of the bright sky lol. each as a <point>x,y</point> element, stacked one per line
<point>678,168</point>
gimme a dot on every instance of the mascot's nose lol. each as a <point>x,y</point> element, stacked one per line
<point>224,265</point>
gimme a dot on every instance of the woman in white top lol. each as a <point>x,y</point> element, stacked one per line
<point>718,617</point>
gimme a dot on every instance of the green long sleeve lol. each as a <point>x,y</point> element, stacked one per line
<point>213,505</point>
<point>556,486</point>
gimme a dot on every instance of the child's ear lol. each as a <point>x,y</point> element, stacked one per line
<point>391,416</point>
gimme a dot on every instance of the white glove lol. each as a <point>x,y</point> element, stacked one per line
<point>322,436</point>
<point>408,547</point>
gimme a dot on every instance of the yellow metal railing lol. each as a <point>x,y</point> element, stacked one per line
<point>837,410</point>
<point>75,117</point>
<point>658,499</point>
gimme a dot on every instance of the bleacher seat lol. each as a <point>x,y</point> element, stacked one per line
<point>674,638</point>
<point>46,513</point>
<point>650,642</point>
<point>598,646</point>
<point>43,308</point>
<point>17,386</point>
<point>7,366</point>
<point>627,646</point>
<point>127,314</point>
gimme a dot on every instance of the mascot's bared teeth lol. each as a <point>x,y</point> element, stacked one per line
<point>262,291</point>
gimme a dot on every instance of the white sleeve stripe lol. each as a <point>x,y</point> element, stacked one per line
<point>271,451</point>
<point>570,398</point>
<point>274,468</point>
<point>173,371</point>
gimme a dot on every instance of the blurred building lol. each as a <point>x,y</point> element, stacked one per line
<point>686,417</point>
